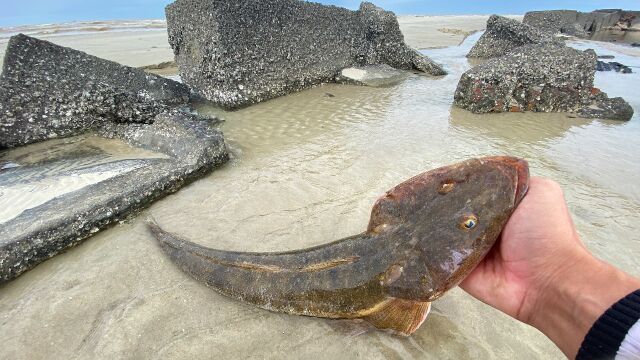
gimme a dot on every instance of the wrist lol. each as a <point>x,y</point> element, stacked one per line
<point>573,299</point>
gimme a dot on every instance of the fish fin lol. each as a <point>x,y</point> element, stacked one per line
<point>400,316</point>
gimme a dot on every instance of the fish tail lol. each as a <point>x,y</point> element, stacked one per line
<point>163,237</point>
<point>153,226</point>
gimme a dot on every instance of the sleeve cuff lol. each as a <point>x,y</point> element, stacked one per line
<point>608,333</point>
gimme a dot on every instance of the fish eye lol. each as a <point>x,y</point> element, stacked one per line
<point>469,222</point>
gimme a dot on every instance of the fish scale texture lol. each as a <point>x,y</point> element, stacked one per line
<point>237,53</point>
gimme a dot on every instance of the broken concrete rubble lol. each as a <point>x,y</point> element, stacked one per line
<point>47,91</point>
<point>237,53</point>
<point>374,75</point>
<point>613,66</point>
<point>603,107</point>
<point>191,148</point>
<point>504,35</point>
<point>580,24</point>
<point>539,78</point>
<point>50,91</point>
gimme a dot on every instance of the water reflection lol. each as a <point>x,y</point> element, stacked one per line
<point>527,128</point>
<point>35,174</point>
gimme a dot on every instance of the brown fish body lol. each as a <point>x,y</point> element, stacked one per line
<point>425,236</point>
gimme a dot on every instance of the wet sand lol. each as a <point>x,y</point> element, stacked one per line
<point>427,32</point>
<point>306,170</point>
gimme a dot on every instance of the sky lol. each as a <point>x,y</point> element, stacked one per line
<point>23,12</point>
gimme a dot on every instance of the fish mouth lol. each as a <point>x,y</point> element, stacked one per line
<point>521,174</point>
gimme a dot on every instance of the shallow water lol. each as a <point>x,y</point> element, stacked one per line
<point>40,172</point>
<point>306,170</point>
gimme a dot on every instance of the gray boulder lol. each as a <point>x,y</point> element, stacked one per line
<point>504,35</point>
<point>539,78</point>
<point>237,53</point>
<point>49,91</point>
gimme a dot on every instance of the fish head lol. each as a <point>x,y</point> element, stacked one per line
<point>442,223</point>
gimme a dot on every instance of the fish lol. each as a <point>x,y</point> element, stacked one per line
<point>425,236</point>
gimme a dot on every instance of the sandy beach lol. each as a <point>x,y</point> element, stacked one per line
<point>428,32</point>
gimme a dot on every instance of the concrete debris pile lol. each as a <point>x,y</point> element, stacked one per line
<point>532,71</point>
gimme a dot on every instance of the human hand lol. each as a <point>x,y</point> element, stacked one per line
<point>540,272</point>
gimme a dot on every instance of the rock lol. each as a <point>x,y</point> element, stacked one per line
<point>607,108</point>
<point>635,44</point>
<point>540,78</point>
<point>555,21</point>
<point>533,77</point>
<point>503,35</point>
<point>188,137</point>
<point>613,66</point>
<point>237,53</point>
<point>49,91</point>
<point>374,75</point>
<point>189,147</point>
<point>579,24</point>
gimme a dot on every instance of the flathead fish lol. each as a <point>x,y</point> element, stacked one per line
<point>424,237</point>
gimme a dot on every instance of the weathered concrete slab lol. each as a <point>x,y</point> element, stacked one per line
<point>72,195</point>
<point>504,35</point>
<point>581,24</point>
<point>49,91</point>
<point>237,53</point>
<point>539,78</point>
